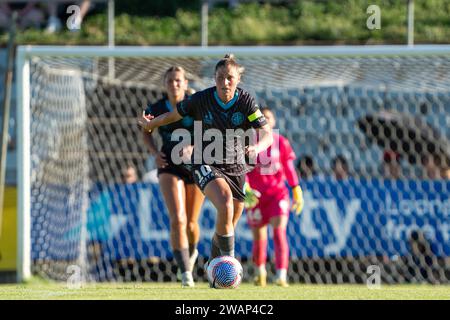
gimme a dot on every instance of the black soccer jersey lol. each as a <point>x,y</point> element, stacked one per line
<point>232,121</point>
<point>164,106</point>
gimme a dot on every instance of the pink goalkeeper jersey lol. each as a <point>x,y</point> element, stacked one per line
<point>274,167</point>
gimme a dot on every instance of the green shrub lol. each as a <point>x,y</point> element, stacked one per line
<point>176,22</point>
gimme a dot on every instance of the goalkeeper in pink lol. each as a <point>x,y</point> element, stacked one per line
<point>267,202</point>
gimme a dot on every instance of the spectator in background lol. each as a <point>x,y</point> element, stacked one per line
<point>129,174</point>
<point>446,173</point>
<point>339,166</point>
<point>435,167</point>
<point>54,24</point>
<point>28,14</point>
<point>306,167</point>
<point>391,165</point>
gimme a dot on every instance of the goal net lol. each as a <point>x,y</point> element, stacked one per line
<point>370,128</point>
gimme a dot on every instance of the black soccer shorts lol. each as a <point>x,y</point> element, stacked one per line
<point>204,174</point>
<point>180,171</point>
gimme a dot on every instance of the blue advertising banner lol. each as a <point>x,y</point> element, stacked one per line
<point>340,218</point>
<point>371,217</point>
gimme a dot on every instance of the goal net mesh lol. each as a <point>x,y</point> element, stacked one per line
<point>388,116</point>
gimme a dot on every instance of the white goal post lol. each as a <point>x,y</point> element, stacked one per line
<point>263,72</point>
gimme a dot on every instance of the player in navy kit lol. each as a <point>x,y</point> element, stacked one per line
<point>182,197</point>
<point>224,110</point>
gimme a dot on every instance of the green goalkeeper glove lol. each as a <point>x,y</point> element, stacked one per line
<point>251,197</point>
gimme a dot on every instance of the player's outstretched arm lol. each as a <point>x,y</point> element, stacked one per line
<point>149,122</point>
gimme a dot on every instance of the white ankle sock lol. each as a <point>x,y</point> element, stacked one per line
<point>187,276</point>
<point>261,270</point>
<point>281,274</point>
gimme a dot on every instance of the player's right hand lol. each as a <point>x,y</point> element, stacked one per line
<point>252,196</point>
<point>145,122</point>
<point>160,160</point>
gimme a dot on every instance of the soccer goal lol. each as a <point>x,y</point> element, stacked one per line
<point>370,127</point>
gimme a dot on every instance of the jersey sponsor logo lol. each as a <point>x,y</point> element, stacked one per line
<point>237,118</point>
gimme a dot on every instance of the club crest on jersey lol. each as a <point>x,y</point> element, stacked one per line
<point>208,119</point>
<point>237,118</point>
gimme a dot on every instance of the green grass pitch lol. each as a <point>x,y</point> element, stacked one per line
<point>173,291</point>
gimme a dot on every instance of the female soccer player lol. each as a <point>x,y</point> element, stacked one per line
<point>267,182</point>
<point>225,111</point>
<point>182,197</point>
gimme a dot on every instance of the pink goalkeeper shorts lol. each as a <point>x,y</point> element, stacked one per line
<point>267,208</point>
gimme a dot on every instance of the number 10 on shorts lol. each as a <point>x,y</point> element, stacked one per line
<point>203,172</point>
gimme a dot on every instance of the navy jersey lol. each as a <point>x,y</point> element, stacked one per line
<point>240,115</point>
<point>163,106</point>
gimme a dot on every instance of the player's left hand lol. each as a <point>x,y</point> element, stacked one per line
<point>297,206</point>
<point>145,122</point>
